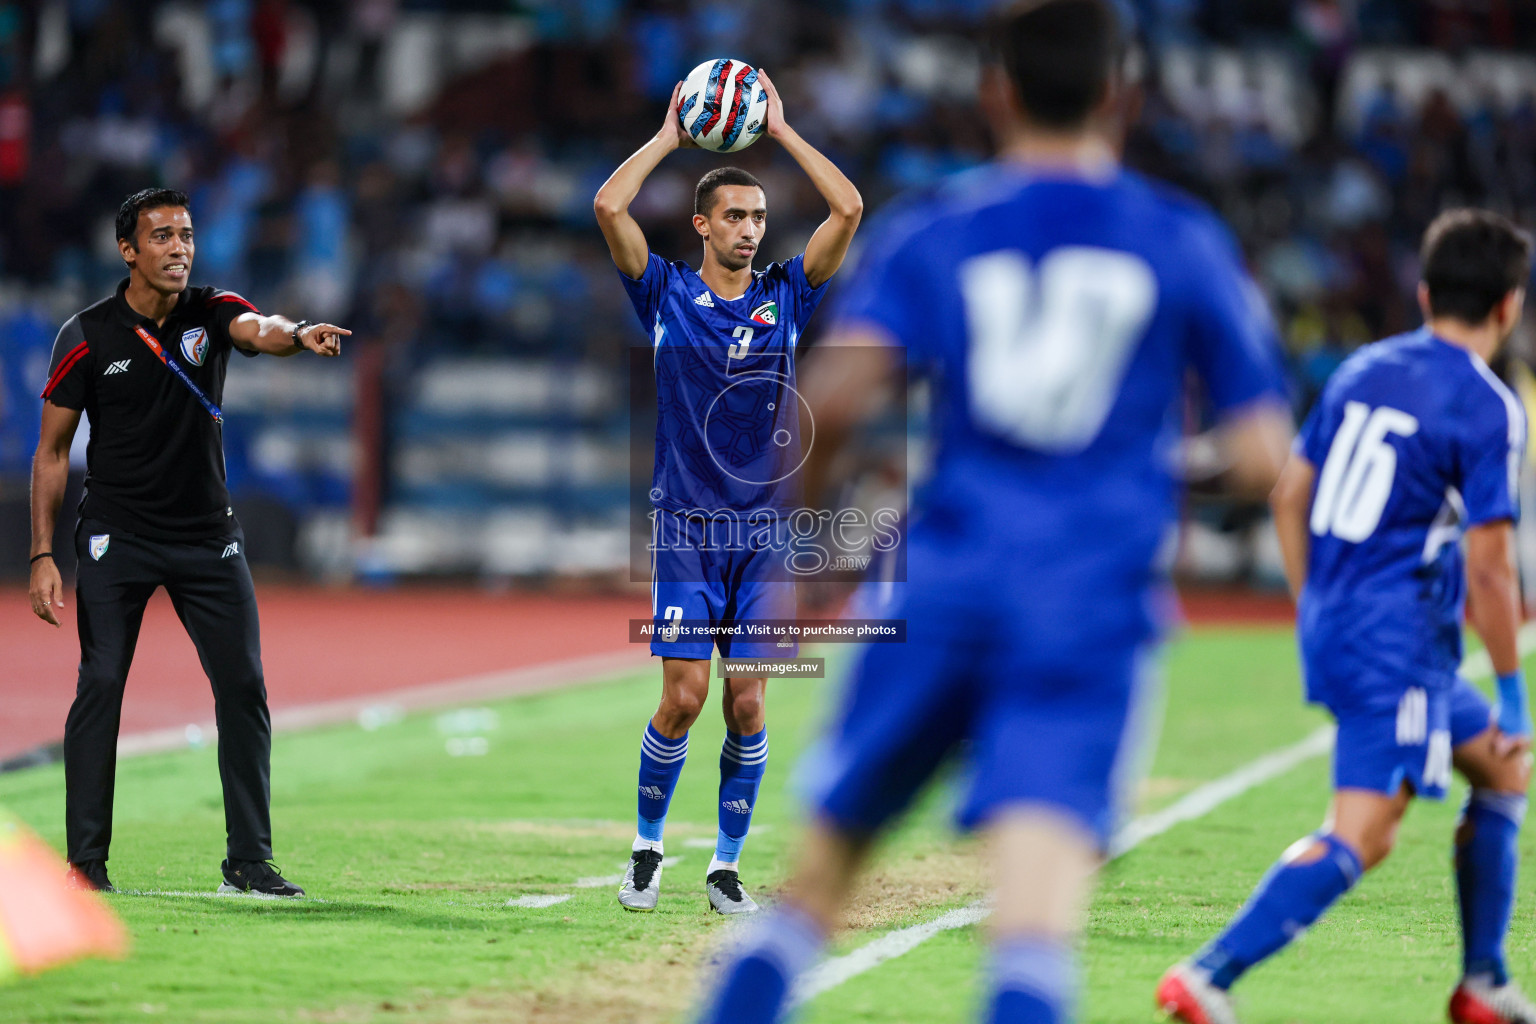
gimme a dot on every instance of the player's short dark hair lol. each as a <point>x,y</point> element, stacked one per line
<point>144,199</point>
<point>1060,56</point>
<point>704,193</point>
<point>1471,259</point>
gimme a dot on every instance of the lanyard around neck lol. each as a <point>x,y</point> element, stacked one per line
<point>175,367</point>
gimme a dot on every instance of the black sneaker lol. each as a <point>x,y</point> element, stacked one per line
<point>256,876</point>
<point>92,874</point>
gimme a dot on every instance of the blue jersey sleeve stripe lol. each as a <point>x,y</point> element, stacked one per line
<point>1514,417</point>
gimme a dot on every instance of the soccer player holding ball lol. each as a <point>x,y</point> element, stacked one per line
<point>724,339</point>
<point>1413,447</point>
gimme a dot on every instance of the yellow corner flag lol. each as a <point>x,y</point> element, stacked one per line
<point>45,920</point>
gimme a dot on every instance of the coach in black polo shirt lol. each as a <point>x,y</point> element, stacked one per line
<point>147,366</point>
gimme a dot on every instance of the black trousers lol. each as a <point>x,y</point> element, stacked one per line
<point>210,586</point>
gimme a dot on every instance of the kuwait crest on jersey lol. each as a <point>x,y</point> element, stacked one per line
<point>194,345</point>
<point>767,313</point>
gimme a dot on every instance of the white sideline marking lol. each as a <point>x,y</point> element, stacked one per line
<point>468,689</point>
<point>599,881</point>
<point>1195,804</point>
<point>222,895</point>
<point>539,901</point>
<point>492,685</point>
<point>1202,800</point>
<point>832,973</point>
<point>1478,665</point>
<point>700,843</point>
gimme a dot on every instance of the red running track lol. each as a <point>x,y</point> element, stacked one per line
<point>317,644</point>
<point>321,644</point>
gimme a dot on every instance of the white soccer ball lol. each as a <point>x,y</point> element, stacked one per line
<point>723,106</point>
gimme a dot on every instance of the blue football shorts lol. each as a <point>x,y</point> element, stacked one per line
<point>712,574</point>
<point>1030,723</point>
<point>1380,748</point>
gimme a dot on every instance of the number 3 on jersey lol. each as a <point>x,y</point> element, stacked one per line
<point>1357,475</point>
<point>743,336</point>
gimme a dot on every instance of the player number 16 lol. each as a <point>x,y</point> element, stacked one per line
<point>1357,475</point>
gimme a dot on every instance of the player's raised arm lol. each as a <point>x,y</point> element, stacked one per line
<point>829,244</point>
<point>611,205</point>
<point>279,336</point>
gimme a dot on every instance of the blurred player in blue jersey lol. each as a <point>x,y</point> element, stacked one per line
<point>726,447</point>
<point>1413,445</point>
<point>1058,303</point>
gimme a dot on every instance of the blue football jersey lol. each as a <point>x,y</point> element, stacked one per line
<point>727,426</point>
<point>1058,316</point>
<point>1414,439</point>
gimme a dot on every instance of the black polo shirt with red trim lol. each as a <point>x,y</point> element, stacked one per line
<point>155,460</point>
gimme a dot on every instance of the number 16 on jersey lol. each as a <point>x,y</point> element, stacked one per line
<point>1357,476</point>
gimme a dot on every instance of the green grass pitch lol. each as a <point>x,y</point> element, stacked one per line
<point>411,855</point>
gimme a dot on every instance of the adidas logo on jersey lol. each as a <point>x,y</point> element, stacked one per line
<point>121,366</point>
<point>651,792</point>
<point>737,806</point>
<point>705,299</point>
<point>232,548</point>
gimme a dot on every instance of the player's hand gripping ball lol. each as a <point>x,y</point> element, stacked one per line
<point>723,106</point>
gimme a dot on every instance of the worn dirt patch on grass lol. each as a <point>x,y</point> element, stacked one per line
<point>664,985</point>
<point>941,876</point>
<point>660,988</point>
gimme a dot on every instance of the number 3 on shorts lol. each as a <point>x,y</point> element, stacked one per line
<point>674,617</point>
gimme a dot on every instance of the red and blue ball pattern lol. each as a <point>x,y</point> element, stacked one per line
<point>723,107</point>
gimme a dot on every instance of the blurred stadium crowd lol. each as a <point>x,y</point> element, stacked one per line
<point>422,171</point>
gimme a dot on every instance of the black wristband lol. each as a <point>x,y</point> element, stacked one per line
<point>45,554</point>
<point>298,329</point>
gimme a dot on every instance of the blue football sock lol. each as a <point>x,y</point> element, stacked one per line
<point>1290,897</point>
<point>1034,981</point>
<point>758,979</point>
<point>1487,862</point>
<point>742,761</point>
<point>661,762</point>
